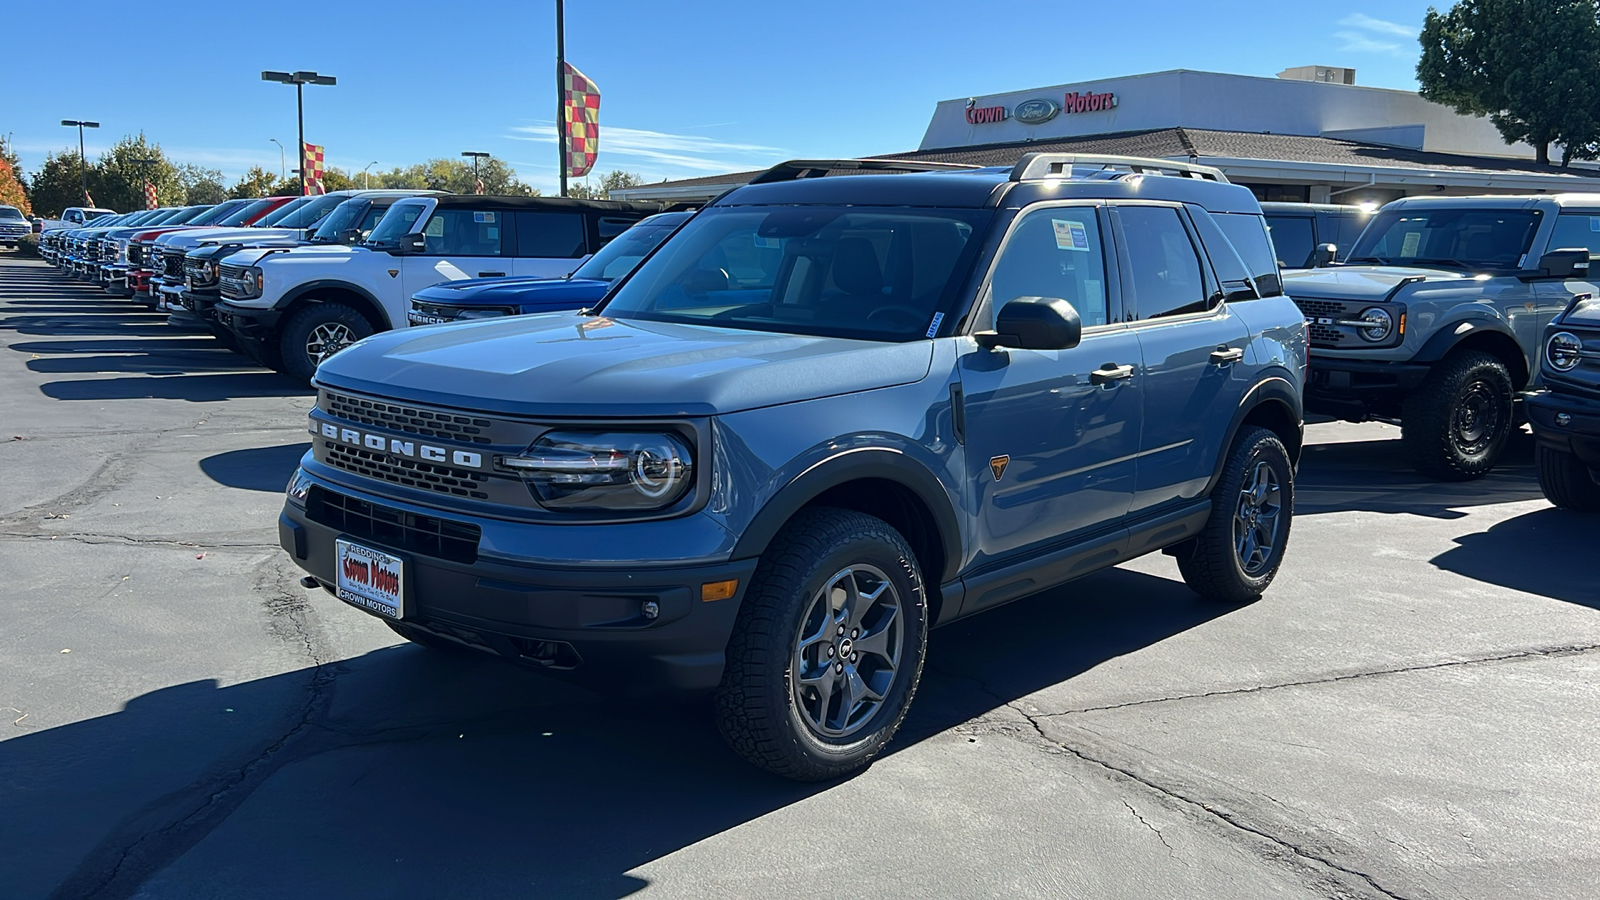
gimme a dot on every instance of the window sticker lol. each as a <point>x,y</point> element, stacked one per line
<point>768,243</point>
<point>1409,247</point>
<point>1594,223</point>
<point>1071,235</point>
<point>933,327</point>
<point>492,233</point>
<point>483,217</point>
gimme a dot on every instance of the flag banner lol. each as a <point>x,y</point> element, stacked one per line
<point>88,199</point>
<point>478,188</point>
<point>311,169</point>
<point>149,196</point>
<point>580,107</point>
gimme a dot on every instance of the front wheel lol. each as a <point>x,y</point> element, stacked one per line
<point>1454,426</point>
<point>1238,551</point>
<point>1567,481</point>
<point>827,649</point>
<point>317,332</point>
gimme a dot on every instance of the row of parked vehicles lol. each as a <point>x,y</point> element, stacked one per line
<point>765,445</point>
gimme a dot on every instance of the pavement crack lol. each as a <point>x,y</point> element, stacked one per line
<point>94,539</point>
<point>1146,823</point>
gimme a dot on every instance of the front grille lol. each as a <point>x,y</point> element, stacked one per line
<point>429,423</point>
<point>407,472</point>
<point>233,282</point>
<point>1321,314</point>
<point>172,265</point>
<point>135,254</point>
<point>427,535</point>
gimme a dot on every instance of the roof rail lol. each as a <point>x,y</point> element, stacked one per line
<point>813,168</point>
<point>1044,165</point>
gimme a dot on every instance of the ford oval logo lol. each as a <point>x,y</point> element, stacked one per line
<point>1035,112</point>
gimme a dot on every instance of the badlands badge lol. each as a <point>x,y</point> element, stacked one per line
<point>998,464</point>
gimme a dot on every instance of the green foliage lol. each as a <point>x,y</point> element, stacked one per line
<point>256,182</point>
<point>1531,66</point>
<point>201,185</point>
<point>455,175</point>
<point>117,180</point>
<point>601,190</point>
<point>55,186</point>
<point>28,246</point>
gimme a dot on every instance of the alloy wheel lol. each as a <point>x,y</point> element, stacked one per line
<point>1255,521</point>
<point>327,339</point>
<point>848,651</point>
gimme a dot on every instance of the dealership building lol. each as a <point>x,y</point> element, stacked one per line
<point>1310,135</point>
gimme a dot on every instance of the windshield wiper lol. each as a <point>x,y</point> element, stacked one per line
<point>1441,261</point>
<point>1362,259</point>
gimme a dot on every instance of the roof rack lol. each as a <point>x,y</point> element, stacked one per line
<point>1044,165</point>
<point>814,168</point>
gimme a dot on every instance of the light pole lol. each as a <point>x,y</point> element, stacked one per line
<point>300,80</point>
<point>476,155</point>
<point>366,180</point>
<point>283,166</point>
<point>83,161</point>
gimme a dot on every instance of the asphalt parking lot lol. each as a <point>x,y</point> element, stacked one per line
<point>1411,711</point>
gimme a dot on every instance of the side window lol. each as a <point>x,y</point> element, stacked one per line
<point>371,220</point>
<point>464,232</point>
<point>1164,271</point>
<point>1248,235</point>
<point>550,235</point>
<point>1575,230</point>
<point>611,226</point>
<point>1054,252</point>
<point>1293,239</point>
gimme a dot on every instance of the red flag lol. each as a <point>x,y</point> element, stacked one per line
<point>149,196</point>
<point>479,188</point>
<point>581,109</point>
<point>311,169</point>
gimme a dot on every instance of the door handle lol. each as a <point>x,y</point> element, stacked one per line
<point>1110,373</point>
<point>1224,355</point>
<point>491,274</point>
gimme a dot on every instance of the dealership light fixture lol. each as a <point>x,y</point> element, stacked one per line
<point>83,162</point>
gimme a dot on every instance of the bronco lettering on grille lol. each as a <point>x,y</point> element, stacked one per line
<point>465,459</point>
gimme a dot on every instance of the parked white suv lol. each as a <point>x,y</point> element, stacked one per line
<point>293,307</point>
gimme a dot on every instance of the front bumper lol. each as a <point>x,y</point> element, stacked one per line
<point>583,623</point>
<point>202,305</point>
<point>255,326</point>
<point>1580,435</point>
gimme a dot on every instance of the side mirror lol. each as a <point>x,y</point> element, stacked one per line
<point>1565,263</point>
<point>350,236</point>
<point>1324,255</point>
<point>1034,323</point>
<point>410,245</point>
<point>704,281</point>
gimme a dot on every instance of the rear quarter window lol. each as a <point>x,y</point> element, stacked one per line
<point>1249,237</point>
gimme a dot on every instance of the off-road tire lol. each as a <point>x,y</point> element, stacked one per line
<point>756,709</point>
<point>1211,564</point>
<point>1430,430</point>
<point>1567,481</point>
<point>297,332</point>
<point>431,641</point>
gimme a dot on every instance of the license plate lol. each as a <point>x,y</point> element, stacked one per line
<point>370,579</point>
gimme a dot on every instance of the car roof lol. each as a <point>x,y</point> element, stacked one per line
<point>1285,206</point>
<point>491,201</point>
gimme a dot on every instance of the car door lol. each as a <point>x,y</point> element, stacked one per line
<point>462,242</point>
<point>1193,350</point>
<point>550,243</point>
<point>1050,444</point>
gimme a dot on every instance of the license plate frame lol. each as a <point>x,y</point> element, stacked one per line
<point>370,579</point>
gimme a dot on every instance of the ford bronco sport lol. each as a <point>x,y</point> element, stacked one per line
<point>823,416</point>
<point>1566,414</point>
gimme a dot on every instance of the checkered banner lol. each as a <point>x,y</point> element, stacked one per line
<point>580,105</point>
<point>478,186</point>
<point>149,196</point>
<point>311,168</point>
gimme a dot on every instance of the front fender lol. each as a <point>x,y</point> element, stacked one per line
<point>311,287</point>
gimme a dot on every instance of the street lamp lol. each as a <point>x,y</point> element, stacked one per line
<point>366,180</point>
<point>83,161</point>
<point>476,155</point>
<point>282,165</point>
<point>300,80</point>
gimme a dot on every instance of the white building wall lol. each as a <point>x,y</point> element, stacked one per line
<point>1220,102</point>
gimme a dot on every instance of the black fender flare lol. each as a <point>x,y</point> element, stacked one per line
<point>1270,389</point>
<point>311,287</point>
<point>1445,339</point>
<point>854,465</point>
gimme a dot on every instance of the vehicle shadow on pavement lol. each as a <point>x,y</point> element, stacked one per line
<point>1374,476</point>
<point>411,772</point>
<point>265,469</point>
<point>1545,552</point>
<point>194,388</point>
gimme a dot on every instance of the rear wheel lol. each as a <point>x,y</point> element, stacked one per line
<point>1238,552</point>
<point>1567,481</point>
<point>1455,425</point>
<point>317,332</point>
<point>827,649</point>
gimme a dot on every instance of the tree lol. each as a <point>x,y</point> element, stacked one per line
<point>201,185</point>
<point>12,191</point>
<point>611,181</point>
<point>1531,66</point>
<point>56,186</point>
<point>455,175</point>
<point>117,180</point>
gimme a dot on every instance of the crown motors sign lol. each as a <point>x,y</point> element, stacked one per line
<point>1039,110</point>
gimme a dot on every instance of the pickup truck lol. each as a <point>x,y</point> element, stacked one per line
<point>1434,318</point>
<point>75,217</point>
<point>293,307</point>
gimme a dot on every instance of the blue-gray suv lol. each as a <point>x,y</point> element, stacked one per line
<point>824,416</point>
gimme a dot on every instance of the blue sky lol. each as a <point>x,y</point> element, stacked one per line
<point>688,89</point>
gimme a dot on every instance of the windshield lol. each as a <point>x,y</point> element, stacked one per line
<point>253,210</point>
<point>10,212</point>
<point>210,216</point>
<point>619,257</point>
<point>271,219</point>
<point>344,217</point>
<point>854,272</point>
<point>307,215</point>
<point>1453,237</point>
<point>397,222</point>
<point>187,214</point>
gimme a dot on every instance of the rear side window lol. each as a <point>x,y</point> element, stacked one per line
<point>550,235</point>
<point>1293,239</point>
<point>1574,230</point>
<point>1249,236</point>
<point>1164,269</point>
<point>611,226</point>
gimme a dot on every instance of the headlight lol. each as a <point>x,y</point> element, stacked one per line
<point>479,314</point>
<point>617,471</point>
<point>1375,324</point>
<point>299,486</point>
<point>210,272</point>
<point>1562,351</point>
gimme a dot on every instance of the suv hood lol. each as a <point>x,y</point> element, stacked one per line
<point>560,364</point>
<point>496,291</point>
<point>253,255</point>
<point>1361,282</point>
<point>184,240</point>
